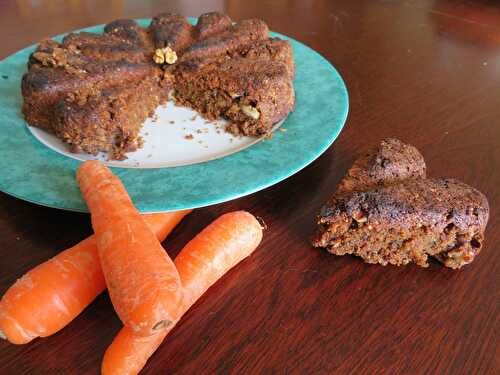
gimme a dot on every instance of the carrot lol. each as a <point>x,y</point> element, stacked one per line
<point>204,260</point>
<point>142,280</point>
<point>215,250</point>
<point>128,353</point>
<point>53,293</point>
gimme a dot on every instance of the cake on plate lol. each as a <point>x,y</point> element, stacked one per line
<point>94,91</point>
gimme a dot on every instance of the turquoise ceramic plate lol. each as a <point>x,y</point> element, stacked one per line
<point>35,173</point>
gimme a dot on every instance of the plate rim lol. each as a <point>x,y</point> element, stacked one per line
<point>341,120</point>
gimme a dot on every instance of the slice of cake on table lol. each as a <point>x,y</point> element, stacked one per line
<point>94,91</point>
<point>402,217</point>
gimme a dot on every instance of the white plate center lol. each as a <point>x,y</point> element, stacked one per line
<point>173,137</point>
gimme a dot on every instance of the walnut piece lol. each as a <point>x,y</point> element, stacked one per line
<point>165,55</point>
<point>58,57</point>
<point>171,95</point>
<point>250,111</point>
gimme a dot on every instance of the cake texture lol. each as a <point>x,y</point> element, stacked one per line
<point>94,91</point>
<point>389,213</point>
<point>389,162</point>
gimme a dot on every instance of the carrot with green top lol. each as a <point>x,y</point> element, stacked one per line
<point>142,280</point>
<point>204,260</point>
<point>52,294</point>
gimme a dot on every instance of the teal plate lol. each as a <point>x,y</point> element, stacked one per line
<point>35,173</point>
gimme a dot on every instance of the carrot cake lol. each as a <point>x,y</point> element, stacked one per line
<point>387,212</point>
<point>94,91</point>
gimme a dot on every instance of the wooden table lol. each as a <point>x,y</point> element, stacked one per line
<point>427,72</point>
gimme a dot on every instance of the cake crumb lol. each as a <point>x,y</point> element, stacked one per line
<point>283,130</point>
<point>193,118</point>
<point>171,122</point>
<point>188,136</point>
<point>150,155</point>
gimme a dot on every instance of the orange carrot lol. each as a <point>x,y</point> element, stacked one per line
<point>142,280</point>
<point>53,293</point>
<point>128,353</point>
<point>204,260</point>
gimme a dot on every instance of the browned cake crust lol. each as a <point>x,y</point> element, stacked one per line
<point>391,161</point>
<point>130,31</point>
<point>273,49</point>
<point>171,30</point>
<point>72,87</point>
<point>386,212</point>
<point>212,23</point>
<point>106,47</point>
<point>237,36</point>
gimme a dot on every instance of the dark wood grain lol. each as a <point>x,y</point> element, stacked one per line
<point>427,72</point>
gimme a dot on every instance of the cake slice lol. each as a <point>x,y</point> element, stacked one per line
<point>385,211</point>
<point>407,222</point>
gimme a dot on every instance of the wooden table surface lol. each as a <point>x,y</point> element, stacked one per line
<point>427,72</point>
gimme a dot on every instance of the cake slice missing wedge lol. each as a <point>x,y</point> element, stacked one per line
<point>94,91</point>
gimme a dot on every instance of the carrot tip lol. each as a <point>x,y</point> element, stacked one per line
<point>2,335</point>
